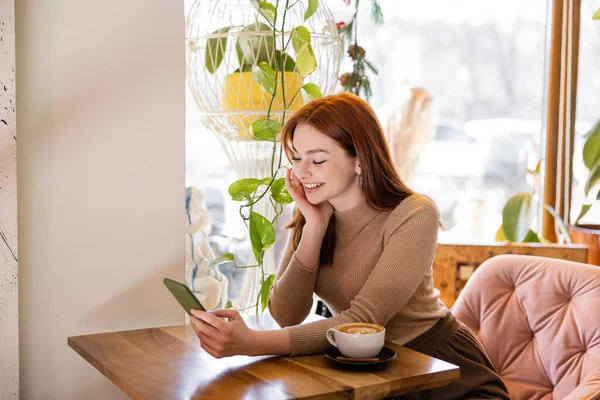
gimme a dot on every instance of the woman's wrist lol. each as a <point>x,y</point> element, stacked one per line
<point>275,342</point>
<point>314,229</point>
<point>307,253</point>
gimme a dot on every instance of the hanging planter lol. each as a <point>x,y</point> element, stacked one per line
<point>242,94</point>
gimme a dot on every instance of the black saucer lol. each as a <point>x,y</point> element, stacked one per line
<point>386,354</point>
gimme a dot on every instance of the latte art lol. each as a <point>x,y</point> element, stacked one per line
<point>357,339</point>
<point>360,329</point>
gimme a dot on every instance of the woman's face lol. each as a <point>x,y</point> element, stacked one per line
<point>326,171</point>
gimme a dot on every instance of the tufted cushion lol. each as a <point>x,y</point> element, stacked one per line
<point>539,320</point>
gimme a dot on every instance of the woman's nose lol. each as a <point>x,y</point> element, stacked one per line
<point>303,170</point>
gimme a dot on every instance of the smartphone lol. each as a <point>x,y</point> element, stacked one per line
<point>184,295</point>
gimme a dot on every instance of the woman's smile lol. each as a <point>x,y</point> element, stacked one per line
<point>312,187</point>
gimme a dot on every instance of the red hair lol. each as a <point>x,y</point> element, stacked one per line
<point>351,122</point>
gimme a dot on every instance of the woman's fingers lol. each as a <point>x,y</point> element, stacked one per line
<point>297,184</point>
<point>230,313</point>
<point>298,187</point>
<point>291,187</point>
<point>208,318</point>
<point>210,349</point>
<point>289,183</point>
<point>209,337</point>
<point>194,324</point>
<point>201,327</point>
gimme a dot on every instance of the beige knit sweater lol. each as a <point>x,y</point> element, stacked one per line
<point>381,273</point>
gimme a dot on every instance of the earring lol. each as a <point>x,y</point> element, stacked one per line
<point>360,180</point>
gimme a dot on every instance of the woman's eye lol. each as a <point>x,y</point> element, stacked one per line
<point>295,159</point>
<point>319,162</point>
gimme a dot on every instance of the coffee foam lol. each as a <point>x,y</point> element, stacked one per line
<point>359,329</point>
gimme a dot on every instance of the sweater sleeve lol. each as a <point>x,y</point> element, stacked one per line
<point>406,258</point>
<point>291,296</point>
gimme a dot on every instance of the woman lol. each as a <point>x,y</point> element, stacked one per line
<point>364,243</point>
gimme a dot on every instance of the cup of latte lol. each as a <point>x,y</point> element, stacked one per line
<point>357,339</point>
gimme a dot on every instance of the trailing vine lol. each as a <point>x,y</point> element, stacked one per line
<point>254,56</point>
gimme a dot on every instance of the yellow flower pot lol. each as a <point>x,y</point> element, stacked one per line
<point>242,93</point>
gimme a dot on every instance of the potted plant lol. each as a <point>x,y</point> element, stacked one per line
<point>254,85</point>
<point>519,211</point>
<point>589,234</point>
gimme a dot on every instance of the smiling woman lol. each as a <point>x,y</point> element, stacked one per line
<point>325,169</point>
<point>326,123</point>
<point>365,249</point>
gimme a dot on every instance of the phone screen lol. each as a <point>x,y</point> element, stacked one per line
<point>184,295</point>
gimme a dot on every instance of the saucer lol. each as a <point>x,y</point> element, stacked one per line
<point>386,354</point>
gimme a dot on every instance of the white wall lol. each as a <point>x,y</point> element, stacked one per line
<point>100,113</point>
<point>9,323</point>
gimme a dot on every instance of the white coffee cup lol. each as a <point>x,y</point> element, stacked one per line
<point>357,339</point>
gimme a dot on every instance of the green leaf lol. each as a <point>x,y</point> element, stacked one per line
<point>306,61</point>
<point>225,258</point>
<point>300,38</point>
<point>239,53</point>
<point>229,304</point>
<point>268,11</point>
<point>500,237</point>
<point>264,75</point>
<point>371,67</point>
<point>279,192</point>
<point>215,49</point>
<point>517,217</point>
<point>531,237</point>
<point>289,64</point>
<point>262,235</point>
<point>256,48</point>
<point>264,291</point>
<point>562,227</point>
<point>593,178</point>
<point>265,129</point>
<point>312,91</point>
<point>265,9</point>
<point>591,148</point>
<point>242,189</point>
<point>596,14</point>
<point>376,13</point>
<point>584,209</point>
<point>312,8</point>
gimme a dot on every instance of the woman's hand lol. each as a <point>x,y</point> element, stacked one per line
<point>316,215</point>
<point>222,338</point>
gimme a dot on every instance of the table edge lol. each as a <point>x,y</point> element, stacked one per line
<point>112,377</point>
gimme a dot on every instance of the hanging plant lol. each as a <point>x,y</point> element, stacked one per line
<point>358,81</point>
<point>265,51</point>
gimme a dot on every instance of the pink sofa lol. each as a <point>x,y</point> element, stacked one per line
<point>539,320</point>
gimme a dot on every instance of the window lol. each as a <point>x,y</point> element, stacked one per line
<point>588,109</point>
<point>483,63</point>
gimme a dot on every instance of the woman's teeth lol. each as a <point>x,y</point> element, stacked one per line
<point>312,185</point>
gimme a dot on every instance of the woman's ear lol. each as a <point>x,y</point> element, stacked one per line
<point>358,170</point>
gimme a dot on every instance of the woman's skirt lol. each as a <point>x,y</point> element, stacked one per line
<point>452,341</point>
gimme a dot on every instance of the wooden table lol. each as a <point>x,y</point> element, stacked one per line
<point>168,363</point>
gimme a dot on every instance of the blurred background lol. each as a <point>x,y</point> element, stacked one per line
<point>484,65</point>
